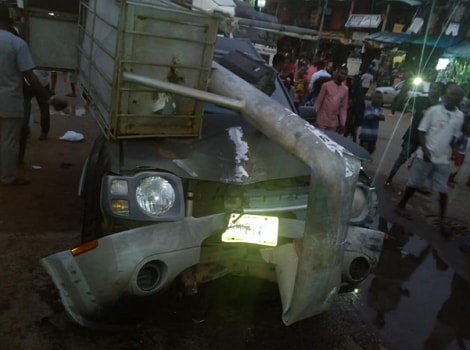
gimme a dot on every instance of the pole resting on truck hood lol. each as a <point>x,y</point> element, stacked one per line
<point>333,179</point>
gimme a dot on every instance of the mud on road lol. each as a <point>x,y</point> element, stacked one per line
<point>45,217</point>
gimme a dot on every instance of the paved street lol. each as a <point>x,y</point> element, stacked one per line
<point>45,217</point>
<point>388,147</point>
<point>421,274</point>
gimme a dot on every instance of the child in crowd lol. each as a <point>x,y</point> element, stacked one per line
<point>373,114</point>
<point>299,85</point>
<point>460,149</point>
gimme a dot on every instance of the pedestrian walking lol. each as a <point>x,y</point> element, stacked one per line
<point>72,76</point>
<point>331,105</point>
<point>460,150</point>
<point>410,138</point>
<point>43,103</point>
<point>299,85</point>
<point>322,74</point>
<point>312,68</point>
<point>356,107</point>
<point>373,115</point>
<point>16,63</point>
<point>280,64</point>
<point>45,117</point>
<point>322,71</point>
<point>366,81</point>
<point>438,129</point>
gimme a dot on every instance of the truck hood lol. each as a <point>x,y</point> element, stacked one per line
<point>230,150</point>
<point>236,154</point>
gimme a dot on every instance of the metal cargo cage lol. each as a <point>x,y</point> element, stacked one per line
<point>155,39</point>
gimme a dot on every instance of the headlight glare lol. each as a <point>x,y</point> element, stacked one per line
<point>155,195</point>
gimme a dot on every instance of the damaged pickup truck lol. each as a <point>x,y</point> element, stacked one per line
<point>205,168</point>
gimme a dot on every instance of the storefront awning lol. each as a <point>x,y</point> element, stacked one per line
<point>408,2</point>
<point>388,37</point>
<point>459,50</point>
<point>441,42</point>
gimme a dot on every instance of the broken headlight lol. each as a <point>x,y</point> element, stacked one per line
<point>155,195</point>
<point>364,205</point>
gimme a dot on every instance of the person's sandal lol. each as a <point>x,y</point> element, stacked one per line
<point>18,182</point>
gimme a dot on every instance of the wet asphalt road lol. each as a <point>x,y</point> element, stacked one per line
<point>419,295</point>
<point>417,298</point>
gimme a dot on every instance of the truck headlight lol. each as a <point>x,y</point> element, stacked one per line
<point>155,195</point>
<point>145,196</point>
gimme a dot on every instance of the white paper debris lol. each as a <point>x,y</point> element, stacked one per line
<point>72,136</point>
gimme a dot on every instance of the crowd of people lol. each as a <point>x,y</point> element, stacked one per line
<point>436,140</point>
<point>337,98</point>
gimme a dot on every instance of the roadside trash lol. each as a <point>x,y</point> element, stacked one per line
<point>36,167</point>
<point>72,136</point>
<point>80,112</point>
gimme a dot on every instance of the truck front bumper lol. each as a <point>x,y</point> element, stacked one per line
<point>146,260</point>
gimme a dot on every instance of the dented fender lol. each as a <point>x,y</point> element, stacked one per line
<point>91,283</point>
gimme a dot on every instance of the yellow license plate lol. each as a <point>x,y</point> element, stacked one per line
<point>256,229</point>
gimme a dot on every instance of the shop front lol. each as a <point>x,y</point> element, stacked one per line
<point>454,65</point>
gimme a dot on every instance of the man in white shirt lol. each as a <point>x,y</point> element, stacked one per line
<point>366,80</point>
<point>438,129</point>
<point>322,72</point>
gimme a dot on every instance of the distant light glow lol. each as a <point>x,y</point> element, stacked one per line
<point>442,63</point>
<point>261,3</point>
<point>417,81</point>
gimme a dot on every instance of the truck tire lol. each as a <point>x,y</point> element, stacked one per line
<point>96,168</point>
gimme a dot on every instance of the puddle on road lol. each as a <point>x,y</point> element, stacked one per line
<point>413,297</point>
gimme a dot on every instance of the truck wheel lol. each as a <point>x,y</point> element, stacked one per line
<point>96,168</point>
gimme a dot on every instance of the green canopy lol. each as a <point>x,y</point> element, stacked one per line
<point>459,50</point>
<point>408,2</point>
